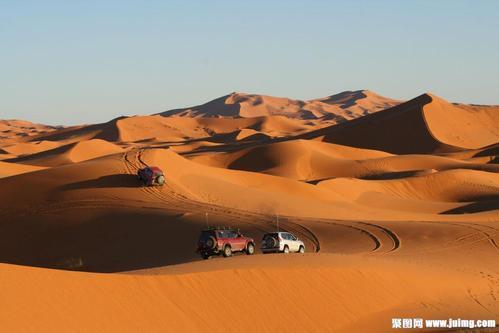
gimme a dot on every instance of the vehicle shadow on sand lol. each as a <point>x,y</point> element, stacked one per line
<point>118,180</point>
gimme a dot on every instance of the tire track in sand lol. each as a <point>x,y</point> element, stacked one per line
<point>388,232</point>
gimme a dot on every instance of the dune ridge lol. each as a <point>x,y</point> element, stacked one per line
<point>13,131</point>
<point>339,107</point>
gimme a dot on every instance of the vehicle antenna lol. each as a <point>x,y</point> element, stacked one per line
<point>206,219</point>
<point>277,221</point>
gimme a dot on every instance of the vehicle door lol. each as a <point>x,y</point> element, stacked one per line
<point>222,238</point>
<point>285,240</point>
<point>238,240</point>
<point>293,241</point>
<point>149,176</point>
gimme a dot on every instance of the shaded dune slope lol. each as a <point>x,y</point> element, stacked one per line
<point>416,126</point>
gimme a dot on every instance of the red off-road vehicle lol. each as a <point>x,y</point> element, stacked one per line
<point>223,241</point>
<point>151,176</point>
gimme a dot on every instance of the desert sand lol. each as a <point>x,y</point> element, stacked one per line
<point>397,203</point>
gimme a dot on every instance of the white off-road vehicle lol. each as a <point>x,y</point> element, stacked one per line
<point>284,242</point>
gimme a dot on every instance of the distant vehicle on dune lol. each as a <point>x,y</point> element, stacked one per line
<point>151,176</point>
<point>284,242</point>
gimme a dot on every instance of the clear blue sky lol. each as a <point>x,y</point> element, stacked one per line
<point>70,62</point>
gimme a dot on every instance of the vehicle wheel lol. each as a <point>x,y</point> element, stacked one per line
<point>302,249</point>
<point>205,256</point>
<point>160,180</point>
<point>286,249</point>
<point>270,242</point>
<point>250,249</point>
<point>227,251</point>
<point>211,242</point>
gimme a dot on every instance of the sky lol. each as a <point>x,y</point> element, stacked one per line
<point>74,62</point>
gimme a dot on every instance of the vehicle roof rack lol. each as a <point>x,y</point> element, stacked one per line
<point>223,227</point>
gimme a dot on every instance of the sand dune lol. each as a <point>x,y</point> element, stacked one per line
<point>297,159</point>
<point>445,186</point>
<point>158,129</point>
<point>28,148</point>
<point>328,293</point>
<point>398,210</point>
<point>354,104</point>
<point>314,160</point>
<point>462,126</point>
<point>105,131</point>
<point>340,107</point>
<point>13,131</point>
<point>421,125</point>
<point>4,155</point>
<point>71,153</point>
<point>12,169</point>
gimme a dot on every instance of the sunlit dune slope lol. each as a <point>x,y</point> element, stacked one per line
<point>70,153</point>
<point>326,293</point>
<point>12,169</point>
<point>419,193</point>
<point>27,148</point>
<point>314,160</point>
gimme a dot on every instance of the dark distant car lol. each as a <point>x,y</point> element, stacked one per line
<point>151,176</point>
<point>223,241</point>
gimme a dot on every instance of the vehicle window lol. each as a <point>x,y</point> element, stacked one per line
<point>228,234</point>
<point>205,235</point>
<point>285,236</point>
<point>274,235</point>
<point>292,237</point>
<point>221,234</point>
